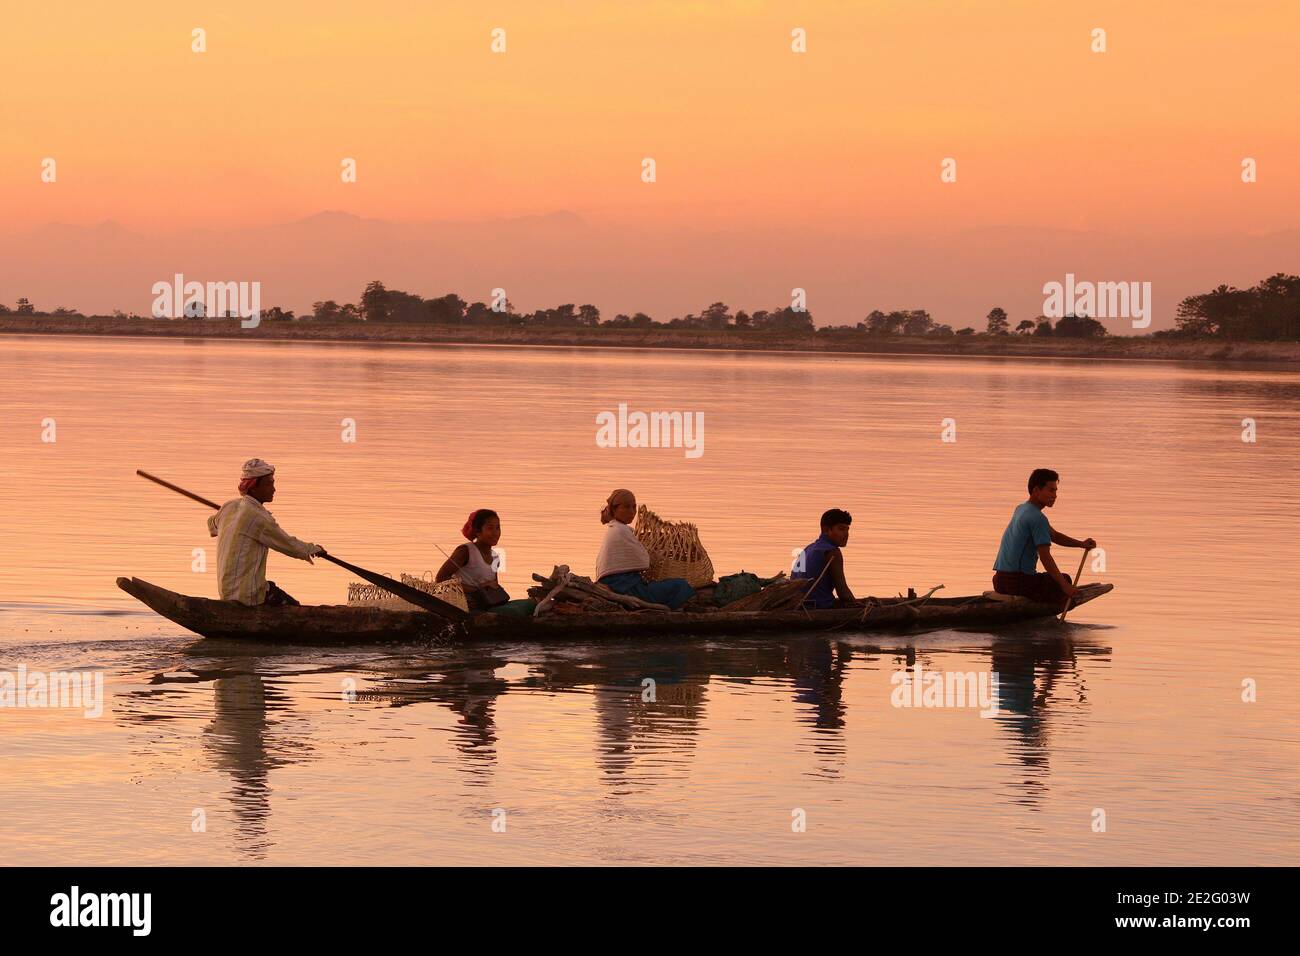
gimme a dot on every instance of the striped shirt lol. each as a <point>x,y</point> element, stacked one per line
<point>244,530</point>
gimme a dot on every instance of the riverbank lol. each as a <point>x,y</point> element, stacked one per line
<point>1118,347</point>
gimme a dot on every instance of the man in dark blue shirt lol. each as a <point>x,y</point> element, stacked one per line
<point>822,562</point>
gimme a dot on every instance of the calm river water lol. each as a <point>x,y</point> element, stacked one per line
<point>1121,737</point>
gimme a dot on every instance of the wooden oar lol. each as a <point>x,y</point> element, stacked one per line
<point>1086,552</point>
<point>404,591</point>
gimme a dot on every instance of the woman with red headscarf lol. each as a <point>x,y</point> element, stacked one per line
<point>475,564</point>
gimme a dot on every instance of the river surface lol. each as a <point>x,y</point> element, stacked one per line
<point>1159,725</point>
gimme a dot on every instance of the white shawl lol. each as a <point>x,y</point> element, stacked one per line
<point>620,551</point>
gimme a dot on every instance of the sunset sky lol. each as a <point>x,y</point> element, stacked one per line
<point>756,146</point>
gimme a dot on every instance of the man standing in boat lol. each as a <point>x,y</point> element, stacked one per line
<point>1028,538</point>
<point>245,530</point>
<point>822,564</point>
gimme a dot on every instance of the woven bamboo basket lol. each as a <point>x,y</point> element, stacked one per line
<point>675,549</point>
<point>372,595</point>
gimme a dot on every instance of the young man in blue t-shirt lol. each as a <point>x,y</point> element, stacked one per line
<point>822,564</point>
<point>1027,539</point>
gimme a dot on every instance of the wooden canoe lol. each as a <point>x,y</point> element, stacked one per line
<point>342,624</point>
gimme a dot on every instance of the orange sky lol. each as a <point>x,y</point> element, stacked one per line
<point>1145,139</point>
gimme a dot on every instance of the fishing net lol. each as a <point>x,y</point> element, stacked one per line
<point>372,595</point>
<point>675,549</point>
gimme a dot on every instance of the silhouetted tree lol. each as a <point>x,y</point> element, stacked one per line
<point>997,322</point>
<point>327,311</point>
<point>445,310</point>
<point>1079,327</point>
<point>480,313</point>
<point>1278,310</point>
<point>331,311</point>
<point>881,323</point>
<point>1269,310</point>
<point>784,320</point>
<point>406,308</point>
<point>716,316</point>
<point>918,322</point>
<point>374,302</point>
<point>878,323</point>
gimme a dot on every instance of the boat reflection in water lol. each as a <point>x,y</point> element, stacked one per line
<point>651,703</point>
<point>237,741</point>
<point>1030,675</point>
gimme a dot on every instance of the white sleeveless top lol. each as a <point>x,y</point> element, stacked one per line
<point>476,571</point>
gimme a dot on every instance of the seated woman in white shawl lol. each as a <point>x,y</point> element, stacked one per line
<point>623,559</point>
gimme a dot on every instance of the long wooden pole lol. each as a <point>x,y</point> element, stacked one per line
<point>179,490</point>
<point>1077,574</point>
<point>404,591</point>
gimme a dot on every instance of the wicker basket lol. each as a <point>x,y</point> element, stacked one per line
<point>372,595</point>
<point>675,549</point>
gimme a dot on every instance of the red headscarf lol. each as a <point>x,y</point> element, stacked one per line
<point>468,529</point>
<point>253,471</point>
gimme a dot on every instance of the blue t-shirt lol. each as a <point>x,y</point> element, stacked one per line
<point>1026,532</point>
<point>815,557</point>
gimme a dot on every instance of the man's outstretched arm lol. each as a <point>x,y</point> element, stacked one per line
<point>1065,541</point>
<point>277,539</point>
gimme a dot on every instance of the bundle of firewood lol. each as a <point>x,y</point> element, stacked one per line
<point>566,592</point>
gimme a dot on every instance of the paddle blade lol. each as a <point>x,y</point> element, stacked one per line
<point>404,591</point>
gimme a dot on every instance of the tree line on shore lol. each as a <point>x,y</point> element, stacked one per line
<point>1269,310</point>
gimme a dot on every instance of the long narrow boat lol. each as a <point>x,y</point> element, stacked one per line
<point>341,624</point>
